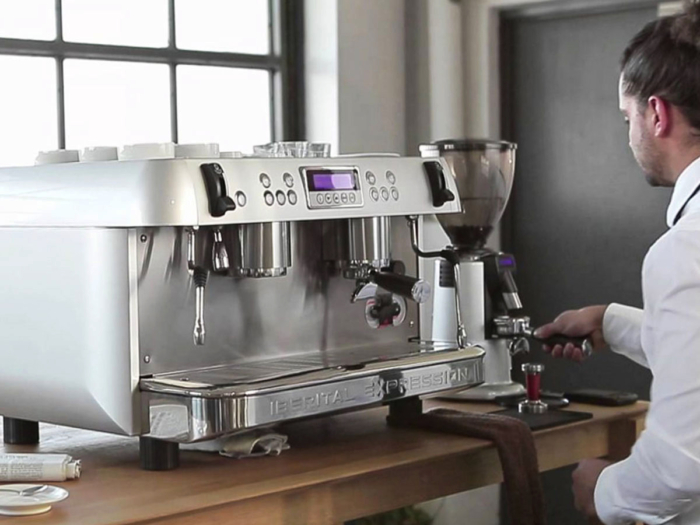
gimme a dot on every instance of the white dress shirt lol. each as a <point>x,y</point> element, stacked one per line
<point>660,482</point>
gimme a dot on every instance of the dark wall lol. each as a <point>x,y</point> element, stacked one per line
<point>581,216</point>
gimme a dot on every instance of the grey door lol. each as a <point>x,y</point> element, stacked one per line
<point>581,216</point>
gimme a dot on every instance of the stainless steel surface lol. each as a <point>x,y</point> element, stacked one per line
<point>532,407</point>
<point>219,256</point>
<point>199,332</point>
<point>363,242</point>
<point>512,301</point>
<point>117,301</point>
<point>171,192</point>
<point>263,249</point>
<point>250,319</point>
<point>68,327</point>
<point>512,326</point>
<point>212,403</point>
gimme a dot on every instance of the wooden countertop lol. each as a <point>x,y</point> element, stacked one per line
<point>338,468</point>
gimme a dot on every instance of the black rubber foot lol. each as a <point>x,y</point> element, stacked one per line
<point>411,406</point>
<point>157,454</point>
<point>20,431</point>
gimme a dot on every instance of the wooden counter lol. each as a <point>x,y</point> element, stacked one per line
<point>338,468</point>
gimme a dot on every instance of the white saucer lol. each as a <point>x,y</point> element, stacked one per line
<point>14,504</point>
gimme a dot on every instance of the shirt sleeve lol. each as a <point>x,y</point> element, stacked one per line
<point>661,478</point>
<point>622,330</point>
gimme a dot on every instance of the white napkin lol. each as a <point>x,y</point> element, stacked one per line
<point>252,443</point>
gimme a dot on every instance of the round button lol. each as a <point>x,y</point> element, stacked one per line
<point>289,180</point>
<point>269,198</point>
<point>395,193</point>
<point>329,198</point>
<point>371,178</point>
<point>391,177</point>
<point>265,180</point>
<point>344,198</point>
<point>292,197</point>
<point>352,197</point>
<point>281,197</point>
<point>241,199</point>
<point>319,198</point>
<point>336,198</point>
<point>374,194</point>
<point>385,193</point>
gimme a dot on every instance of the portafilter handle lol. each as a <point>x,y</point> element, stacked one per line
<point>417,290</point>
<point>585,344</point>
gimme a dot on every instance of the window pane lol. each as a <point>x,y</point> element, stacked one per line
<point>224,105</point>
<point>28,121</point>
<point>33,19</point>
<point>123,22</point>
<point>116,103</point>
<point>238,26</point>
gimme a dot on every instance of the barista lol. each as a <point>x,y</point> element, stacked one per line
<point>660,100</point>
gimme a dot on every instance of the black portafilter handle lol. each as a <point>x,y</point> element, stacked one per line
<point>584,343</point>
<point>409,287</point>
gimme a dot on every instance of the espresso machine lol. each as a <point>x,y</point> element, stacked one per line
<point>475,298</point>
<point>179,293</point>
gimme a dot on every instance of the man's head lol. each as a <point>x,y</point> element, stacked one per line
<point>660,94</point>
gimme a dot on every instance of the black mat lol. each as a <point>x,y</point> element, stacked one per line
<point>552,418</point>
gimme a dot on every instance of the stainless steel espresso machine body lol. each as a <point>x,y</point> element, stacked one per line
<point>183,299</point>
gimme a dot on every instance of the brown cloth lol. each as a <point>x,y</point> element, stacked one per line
<point>516,449</point>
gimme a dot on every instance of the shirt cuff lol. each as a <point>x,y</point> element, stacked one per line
<point>604,498</point>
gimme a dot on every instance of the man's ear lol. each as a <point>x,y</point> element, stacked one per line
<point>660,115</point>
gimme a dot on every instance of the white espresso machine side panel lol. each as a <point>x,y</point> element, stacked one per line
<point>68,355</point>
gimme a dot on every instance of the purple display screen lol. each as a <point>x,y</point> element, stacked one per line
<point>329,180</point>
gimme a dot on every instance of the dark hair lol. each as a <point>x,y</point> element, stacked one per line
<point>663,59</point>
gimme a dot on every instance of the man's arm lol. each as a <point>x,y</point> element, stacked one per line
<point>661,478</point>
<point>622,330</point>
<point>615,325</point>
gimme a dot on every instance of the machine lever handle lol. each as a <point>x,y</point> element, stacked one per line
<point>215,183</point>
<point>438,185</point>
<point>585,344</point>
<point>417,290</point>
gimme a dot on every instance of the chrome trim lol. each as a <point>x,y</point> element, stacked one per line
<point>187,413</point>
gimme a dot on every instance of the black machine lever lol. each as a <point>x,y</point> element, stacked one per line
<point>215,183</point>
<point>438,186</point>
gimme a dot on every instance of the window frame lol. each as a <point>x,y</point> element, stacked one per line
<point>284,63</point>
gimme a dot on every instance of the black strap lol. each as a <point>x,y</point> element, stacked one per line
<point>680,212</point>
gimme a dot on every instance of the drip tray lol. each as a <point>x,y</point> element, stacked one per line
<point>202,404</point>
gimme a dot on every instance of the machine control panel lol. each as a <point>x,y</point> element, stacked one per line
<point>332,187</point>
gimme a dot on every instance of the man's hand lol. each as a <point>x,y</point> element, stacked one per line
<point>585,478</point>
<point>587,322</point>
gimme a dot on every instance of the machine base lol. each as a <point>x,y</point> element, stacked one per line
<point>157,454</point>
<point>486,392</point>
<point>20,431</point>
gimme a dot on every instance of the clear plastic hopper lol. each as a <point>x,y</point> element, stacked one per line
<point>484,173</point>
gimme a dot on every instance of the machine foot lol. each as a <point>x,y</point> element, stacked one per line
<point>157,454</point>
<point>403,408</point>
<point>20,431</point>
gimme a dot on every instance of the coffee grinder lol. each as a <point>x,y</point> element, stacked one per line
<point>476,299</point>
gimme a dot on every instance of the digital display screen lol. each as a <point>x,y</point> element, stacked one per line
<point>331,180</point>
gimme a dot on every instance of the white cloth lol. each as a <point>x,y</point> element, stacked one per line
<point>245,444</point>
<point>660,482</point>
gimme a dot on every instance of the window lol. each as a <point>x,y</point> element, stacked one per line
<point>81,73</point>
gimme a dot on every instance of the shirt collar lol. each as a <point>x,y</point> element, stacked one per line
<point>684,190</point>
